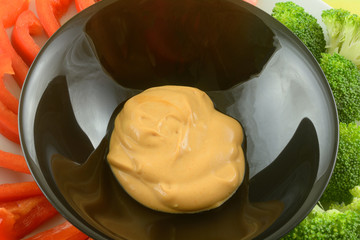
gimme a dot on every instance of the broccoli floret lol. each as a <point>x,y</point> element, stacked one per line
<point>325,225</point>
<point>334,21</point>
<point>354,205</point>
<point>340,223</point>
<point>344,80</point>
<point>356,192</point>
<point>304,25</point>
<point>343,33</point>
<point>346,174</point>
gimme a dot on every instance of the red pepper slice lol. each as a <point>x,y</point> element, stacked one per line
<point>5,96</point>
<point>82,4</point>
<point>26,25</point>
<point>19,66</point>
<point>8,124</point>
<point>64,231</point>
<point>8,119</point>
<point>7,223</point>
<point>17,191</point>
<point>19,218</point>
<point>11,9</point>
<point>49,12</point>
<point>13,162</point>
<point>5,64</point>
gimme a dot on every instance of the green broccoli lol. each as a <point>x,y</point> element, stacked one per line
<point>304,25</point>
<point>344,80</point>
<point>346,174</point>
<point>354,205</point>
<point>341,223</point>
<point>343,31</point>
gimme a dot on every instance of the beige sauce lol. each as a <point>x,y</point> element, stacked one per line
<point>173,152</point>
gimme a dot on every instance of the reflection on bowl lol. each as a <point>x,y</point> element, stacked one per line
<point>251,66</point>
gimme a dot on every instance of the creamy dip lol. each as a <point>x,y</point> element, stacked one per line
<point>172,151</point>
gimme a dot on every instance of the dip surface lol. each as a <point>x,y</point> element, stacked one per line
<point>172,151</point>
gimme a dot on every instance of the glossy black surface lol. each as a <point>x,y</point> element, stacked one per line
<point>250,65</point>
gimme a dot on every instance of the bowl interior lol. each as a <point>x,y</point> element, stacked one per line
<point>251,66</point>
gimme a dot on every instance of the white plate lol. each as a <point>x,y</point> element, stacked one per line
<point>314,7</point>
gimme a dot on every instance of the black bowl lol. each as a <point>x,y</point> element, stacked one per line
<point>252,67</point>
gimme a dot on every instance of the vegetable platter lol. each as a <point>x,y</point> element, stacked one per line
<point>24,28</point>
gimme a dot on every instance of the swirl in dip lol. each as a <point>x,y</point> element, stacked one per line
<point>173,152</point>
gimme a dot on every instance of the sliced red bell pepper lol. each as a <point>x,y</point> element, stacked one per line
<point>5,96</point>
<point>7,221</point>
<point>5,64</point>
<point>19,218</point>
<point>16,191</point>
<point>64,231</point>
<point>11,9</point>
<point>13,162</point>
<point>19,66</point>
<point>82,4</point>
<point>49,12</point>
<point>8,124</point>
<point>26,25</point>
